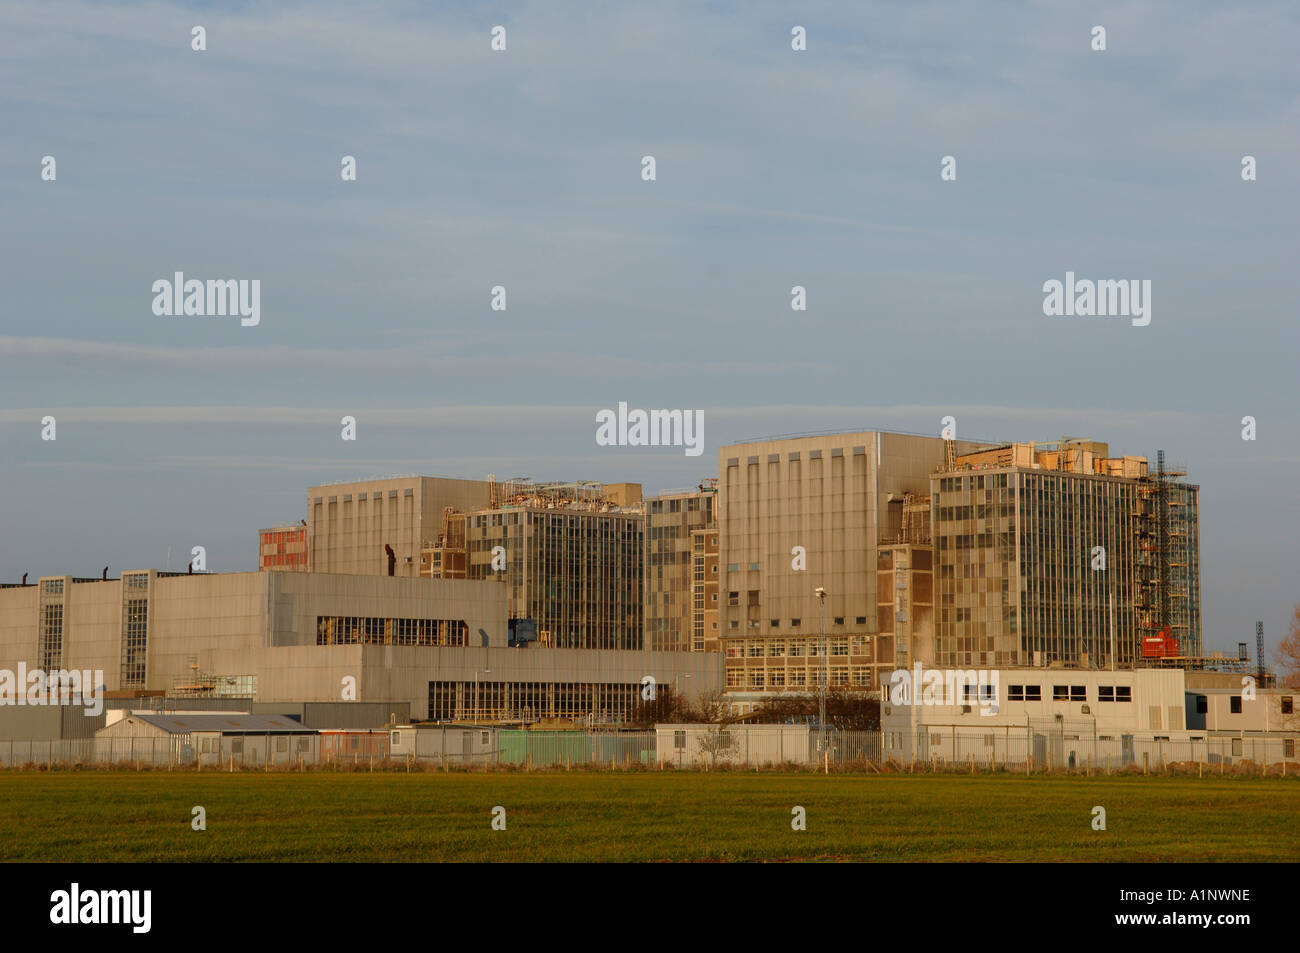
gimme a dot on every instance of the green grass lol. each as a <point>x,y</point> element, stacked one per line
<point>614,816</point>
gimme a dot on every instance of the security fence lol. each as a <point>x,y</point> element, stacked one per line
<point>935,747</point>
<point>1063,746</point>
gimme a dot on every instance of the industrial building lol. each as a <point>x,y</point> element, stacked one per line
<point>283,548</point>
<point>801,513</point>
<point>1070,717</point>
<point>379,527</point>
<point>681,569</point>
<point>439,645</point>
<point>569,557</point>
<point>1032,543</point>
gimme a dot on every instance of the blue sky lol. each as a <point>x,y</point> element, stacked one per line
<point>522,169</point>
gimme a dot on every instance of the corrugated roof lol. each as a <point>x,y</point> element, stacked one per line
<point>221,721</point>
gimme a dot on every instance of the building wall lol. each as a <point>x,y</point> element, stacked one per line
<point>282,548</point>
<point>705,635</point>
<point>836,496</point>
<point>209,625</point>
<point>348,524</point>
<point>263,630</point>
<point>673,621</point>
<point>1014,555</point>
<point>578,572</point>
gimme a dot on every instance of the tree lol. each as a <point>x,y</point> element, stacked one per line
<point>718,741</point>
<point>666,708</point>
<point>847,709</point>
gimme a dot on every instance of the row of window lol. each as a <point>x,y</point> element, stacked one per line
<point>1073,693</point>
<point>360,630</point>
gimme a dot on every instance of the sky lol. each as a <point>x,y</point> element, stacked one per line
<point>522,169</point>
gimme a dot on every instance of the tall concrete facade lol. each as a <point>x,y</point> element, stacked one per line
<point>569,556</point>
<point>1031,544</point>
<point>349,524</point>
<point>312,637</point>
<point>678,580</point>
<point>800,513</point>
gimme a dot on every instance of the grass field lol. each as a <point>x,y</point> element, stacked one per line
<point>614,816</point>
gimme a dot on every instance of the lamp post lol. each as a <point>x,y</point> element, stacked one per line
<point>826,670</point>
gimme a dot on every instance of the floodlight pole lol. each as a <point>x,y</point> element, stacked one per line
<point>826,669</point>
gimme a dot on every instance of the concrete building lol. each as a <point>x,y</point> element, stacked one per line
<point>440,645</point>
<point>681,535</point>
<point>1018,574</point>
<point>806,512</point>
<point>1063,717</point>
<point>569,557</point>
<point>283,548</point>
<point>705,636</point>
<point>350,524</point>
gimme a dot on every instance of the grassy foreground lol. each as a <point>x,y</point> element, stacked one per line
<point>615,816</point>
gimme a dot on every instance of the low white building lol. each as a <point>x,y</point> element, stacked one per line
<point>1073,717</point>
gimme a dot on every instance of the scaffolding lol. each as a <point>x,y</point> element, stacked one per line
<point>1166,543</point>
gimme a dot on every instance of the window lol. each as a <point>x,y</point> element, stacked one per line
<point>483,738</point>
<point>1015,693</point>
<point>1234,704</point>
<point>1288,747</point>
<point>988,741</point>
<point>1033,693</point>
<point>733,598</point>
<point>1202,704</point>
<point>1123,693</point>
<point>396,739</point>
<point>282,743</point>
<point>1060,693</point>
<point>304,744</point>
<point>936,741</point>
<point>679,740</point>
<point>839,620</point>
<point>1105,693</point>
<point>794,623</point>
<point>1236,746</point>
<point>1078,693</point>
<point>1288,704</point>
<point>237,746</point>
<point>861,620</point>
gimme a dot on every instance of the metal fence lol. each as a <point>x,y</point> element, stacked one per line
<point>1061,748</point>
<point>934,748</point>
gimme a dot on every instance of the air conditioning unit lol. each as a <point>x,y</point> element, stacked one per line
<point>965,709</point>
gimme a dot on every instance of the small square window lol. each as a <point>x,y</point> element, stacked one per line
<point>1234,704</point>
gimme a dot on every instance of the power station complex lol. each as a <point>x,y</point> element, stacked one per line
<point>832,560</point>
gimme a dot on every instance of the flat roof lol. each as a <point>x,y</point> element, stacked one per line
<point>228,722</point>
